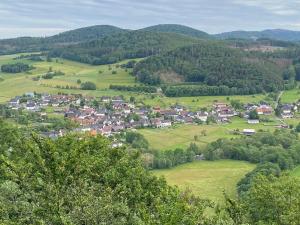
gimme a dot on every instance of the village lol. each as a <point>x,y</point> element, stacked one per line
<point>108,116</point>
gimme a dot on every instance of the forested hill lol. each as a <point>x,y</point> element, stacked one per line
<point>276,34</point>
<point>129,45</point>
<point>29,44</point>
<point>212,64</point>
<point>85,34</point>
<point>178,29</point>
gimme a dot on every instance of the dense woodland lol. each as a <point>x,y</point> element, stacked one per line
<point>130,45</point>
<point>213,65</point>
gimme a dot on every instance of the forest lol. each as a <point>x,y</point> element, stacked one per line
<point>213,65</point>
<point>130,45</point>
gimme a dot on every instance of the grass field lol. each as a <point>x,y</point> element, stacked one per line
<point>18,84</point>
<point>290,96</point>
<point>181,136</point>
<point>208,179</point>
<point>296,172</point>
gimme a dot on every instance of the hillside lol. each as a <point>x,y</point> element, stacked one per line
<point>129,45</point>
<point>30,44</point>
<point>178,29</point>
<point>212,64</point>
<point>276,34</point>
<point>85,34</point>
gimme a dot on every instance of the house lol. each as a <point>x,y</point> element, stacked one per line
<point>249,132</point>
<point>15,102</point>
<point>253,121</point>
<point>105,99</point>
<point>202,116</point>
<point>31,106</point>
<point>159,123</point>
<point>264,110</point>
<point>287,111</point>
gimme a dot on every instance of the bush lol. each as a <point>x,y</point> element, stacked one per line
<point>88,86</point>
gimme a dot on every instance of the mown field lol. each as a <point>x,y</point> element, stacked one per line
<point>208,179</point>
<point>181,136</point>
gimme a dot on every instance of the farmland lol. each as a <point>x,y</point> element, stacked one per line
<point>18,84</point>
<point>181,136</point>
<point>208,179</point>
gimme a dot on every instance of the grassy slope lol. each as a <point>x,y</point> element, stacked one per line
<point>290,96</point>
<point>181,136</point>
<point>296,172</point>
<point>17,84</point>
<point>208,179</point>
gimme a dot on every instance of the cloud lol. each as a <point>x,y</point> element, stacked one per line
<point>43,17</point>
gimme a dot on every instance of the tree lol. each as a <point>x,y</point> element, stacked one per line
<point>88,86</point>
<point>253,115</point>
<point>82,180</point>
<point>298,128</point>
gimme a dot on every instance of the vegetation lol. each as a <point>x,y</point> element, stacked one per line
<point>129,45</point>
<point>211,64</point>
<point>74,180</point>
<point>178,29</point>
<point>146,89</point>
<point>88,86</point>
<point>281,147</point>
<point>16,68</point>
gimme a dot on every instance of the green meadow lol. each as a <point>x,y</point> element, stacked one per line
<point>18,84</point>
<point>296,172</point>
<point>208,179</point>
<point>180,136</point>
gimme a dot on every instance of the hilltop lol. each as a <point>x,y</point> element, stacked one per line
<point>129,45</point>
<point>179,29</point>
<point>276,34</point>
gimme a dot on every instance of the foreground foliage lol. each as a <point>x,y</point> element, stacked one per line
<point>75,180</point>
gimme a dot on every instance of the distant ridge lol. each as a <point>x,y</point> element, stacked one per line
<point>276,34</point>
<point>178,29</point>
<point>86,34</point>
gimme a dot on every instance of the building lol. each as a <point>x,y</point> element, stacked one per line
<point>249,132</point>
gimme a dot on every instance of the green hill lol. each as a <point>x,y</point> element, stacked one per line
<point>30,44</point>
<point>276,34</point>
<point>129,45</point>
<point>212,64</point>
<point>85,34</point>
<point>178,29</point>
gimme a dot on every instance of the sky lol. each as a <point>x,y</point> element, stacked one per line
<point>48,17</point>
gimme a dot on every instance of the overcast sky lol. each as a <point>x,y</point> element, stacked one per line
<point>47,17</point>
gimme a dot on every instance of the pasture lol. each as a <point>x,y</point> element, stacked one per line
<point>208,179</point>
<point>180,136</point>
<point>18,84</point>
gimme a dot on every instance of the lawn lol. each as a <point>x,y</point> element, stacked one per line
<point>208,179</point>
<point>180,136</point>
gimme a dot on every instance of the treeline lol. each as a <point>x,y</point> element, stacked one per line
<point>281,147</point>
<point>205,90</point>
<point>128,45</point>
<point>170,158</point>
<point>16,68</point>
<point>212,64</point>
<point>146,89</point>
<point>157,159</point>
